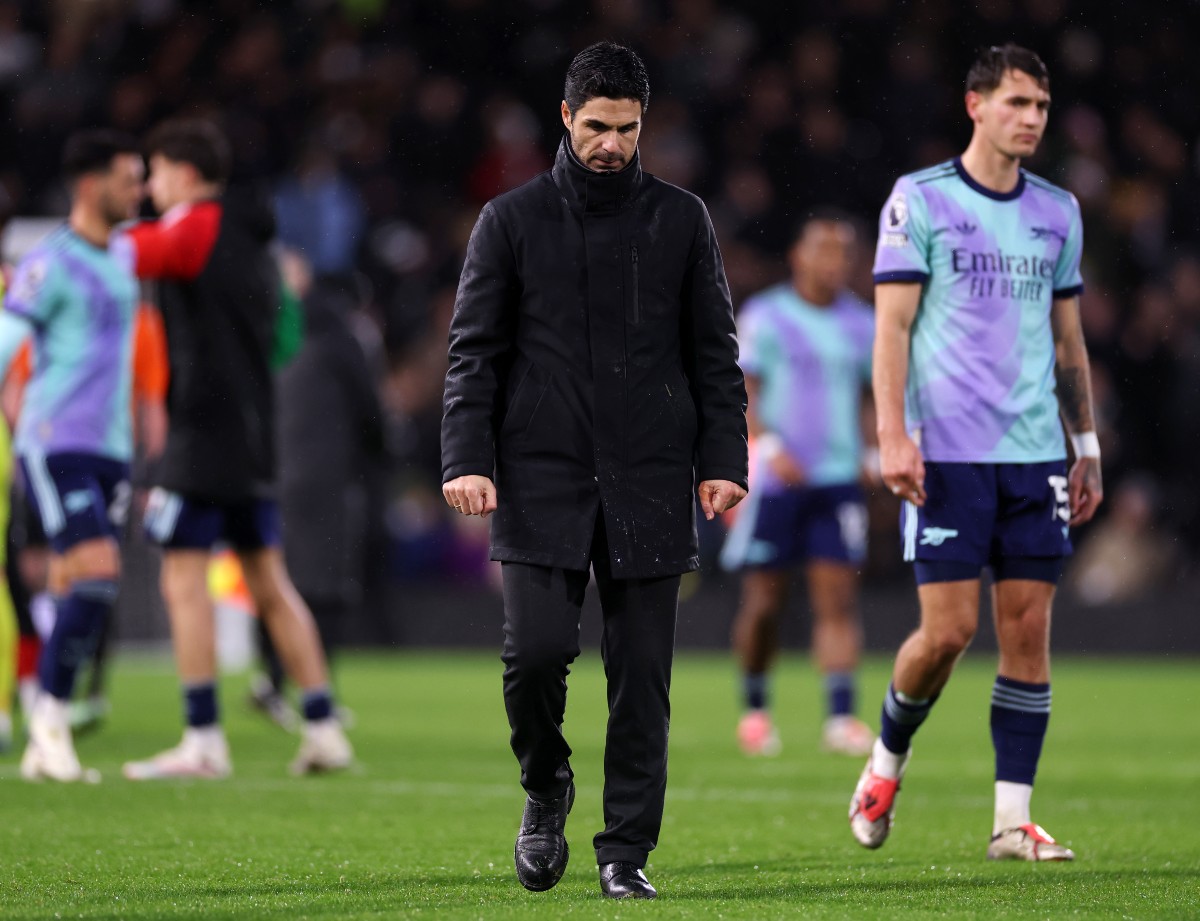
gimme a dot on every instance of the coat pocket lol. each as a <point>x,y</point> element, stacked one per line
<point>679,399</point>
<point>524,397</point>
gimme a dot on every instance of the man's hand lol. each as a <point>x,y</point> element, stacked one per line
<point>717,496</point>
<point>774,453</point>
<point>786,468</point>
<point>471,495</point>
<point>1085,488</point>
<point>903,467</point>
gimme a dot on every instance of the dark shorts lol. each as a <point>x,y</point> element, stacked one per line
<point>78,497</point>
<point>799,524</point>
<point>177,522</point>
<point>1011,517</point>
<point>25,525</point>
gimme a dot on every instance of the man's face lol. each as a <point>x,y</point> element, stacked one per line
<point>1012,117</point>
<point>169,182</point>
<point>119,191</point>
<point>824,255</point>
<point>604,132</point>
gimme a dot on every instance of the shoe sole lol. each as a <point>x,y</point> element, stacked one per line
<point>847,750</point>
<point>135,774</point>
<point>631,895</point>
<point>312,770</point>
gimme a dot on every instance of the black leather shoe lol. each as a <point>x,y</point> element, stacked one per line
<point>541,852</point>
<point>621,880</point>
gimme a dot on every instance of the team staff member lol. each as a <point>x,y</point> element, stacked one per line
<point>593,383</point>
<point>219,294</point>
<point>978,351</point>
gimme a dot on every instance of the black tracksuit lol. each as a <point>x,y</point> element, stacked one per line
<point>218,289</point>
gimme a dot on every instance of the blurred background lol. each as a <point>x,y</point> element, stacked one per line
<point>381,128</point>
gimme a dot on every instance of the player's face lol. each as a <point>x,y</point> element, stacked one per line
<point>121,188</point>
<point>1012,117</point>
<point>824,256</point>
<point>169,182</point>
<point>604,132</point>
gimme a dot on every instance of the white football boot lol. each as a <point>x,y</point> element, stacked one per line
<point>873,805</point>
<point>50,753</point>
<point>203,753</point>
<point>847,735</point>
<point>323,747</point>
<point>757,735</point>
<point>1027,842</point>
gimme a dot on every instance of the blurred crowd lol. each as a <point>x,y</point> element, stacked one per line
<point>382,127</point>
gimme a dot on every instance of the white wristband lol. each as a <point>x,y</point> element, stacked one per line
<point>1086,444</point>
<point>870,461</point>
<point>768,445</point>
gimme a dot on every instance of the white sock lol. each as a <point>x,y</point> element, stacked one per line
<point>1012,805</point>
<point>50,708</point>
<point>885,763</point>
<point>207,735</point>
<point>27,692</point>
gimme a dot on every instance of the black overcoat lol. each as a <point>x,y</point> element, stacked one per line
<point>593,369</point>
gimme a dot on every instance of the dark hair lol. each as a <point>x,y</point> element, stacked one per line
<point>823,214</point>
<point>609,70</point>
<point>93,151</point>
<point>994,62</point>
<point>195,141</point>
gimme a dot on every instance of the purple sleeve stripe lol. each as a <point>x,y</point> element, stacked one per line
<point>1060,293</point>
<point>882,278</point>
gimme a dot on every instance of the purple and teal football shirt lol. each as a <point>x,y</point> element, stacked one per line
<point>811,364</point>
<point>981,367</point>
<point>79,302</point>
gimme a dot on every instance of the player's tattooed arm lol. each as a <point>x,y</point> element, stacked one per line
<point>1074,398</point>
<point>1071,371</point>
<point>1073,377</point>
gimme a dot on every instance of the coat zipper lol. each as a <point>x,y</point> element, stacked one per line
<point>637,307</point>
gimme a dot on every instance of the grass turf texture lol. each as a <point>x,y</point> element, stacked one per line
<point>425,828</point>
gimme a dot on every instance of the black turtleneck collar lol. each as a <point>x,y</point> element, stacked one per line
<point>588,190</point>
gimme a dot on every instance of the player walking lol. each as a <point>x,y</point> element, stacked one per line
<point>978,351</point>
<point>78,297</point>
<point>805,342</point>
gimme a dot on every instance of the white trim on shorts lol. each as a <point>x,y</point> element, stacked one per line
<point>49,505</point>
<point>162,513</point>
<point>910,531</point>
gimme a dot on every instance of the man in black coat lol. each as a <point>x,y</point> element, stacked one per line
<point>593,381</point>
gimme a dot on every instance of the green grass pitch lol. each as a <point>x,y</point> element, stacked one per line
<point>424,828</point>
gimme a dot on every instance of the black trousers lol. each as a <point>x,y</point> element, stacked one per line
<point>541,639</point>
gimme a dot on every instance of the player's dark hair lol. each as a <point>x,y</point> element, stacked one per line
<point>606,70</point>
<point>196,141</point>
<point>994,62</point>
<point>93,151</point>
<point>823,214</point>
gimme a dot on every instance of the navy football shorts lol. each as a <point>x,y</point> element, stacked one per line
<point>1011,517</point>
<point>178,522</point>
<point>802,523</point>
<point>78,497</point>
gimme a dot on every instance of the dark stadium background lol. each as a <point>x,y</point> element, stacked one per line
<point>394,122</point>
